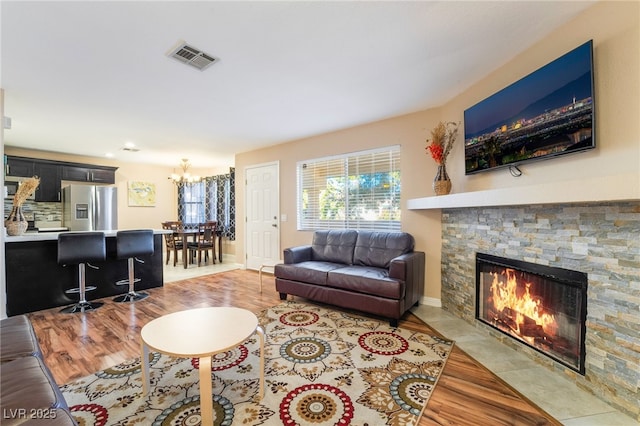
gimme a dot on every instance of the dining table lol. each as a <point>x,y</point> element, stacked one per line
<point>185,233</point>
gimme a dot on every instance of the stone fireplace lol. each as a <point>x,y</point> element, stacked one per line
<point>601,240</point>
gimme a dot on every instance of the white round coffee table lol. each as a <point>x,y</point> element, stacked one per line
<point>200,333</point>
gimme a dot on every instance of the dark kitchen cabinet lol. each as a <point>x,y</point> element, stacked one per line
<point>104,175</point>
<point>50,185</point>
<point>19,166</point>
<point>49,173</point>
<point>52,173</point>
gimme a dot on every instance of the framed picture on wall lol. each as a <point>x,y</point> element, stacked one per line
<point>141,194</point>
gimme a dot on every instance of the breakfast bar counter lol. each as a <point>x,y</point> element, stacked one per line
<point>35,280</point>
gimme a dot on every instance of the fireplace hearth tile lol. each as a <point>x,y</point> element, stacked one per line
<point>433,313</point>
<point>457,329</point>
<point>613,418</point>
<point>496,357</point>
<point>559,396</point>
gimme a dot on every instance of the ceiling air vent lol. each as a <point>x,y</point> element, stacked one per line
<point>191,56</point>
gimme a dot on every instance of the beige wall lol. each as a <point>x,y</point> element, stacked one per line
<point>615,30</point>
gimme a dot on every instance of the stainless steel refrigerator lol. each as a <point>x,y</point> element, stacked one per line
<point>90,207</point>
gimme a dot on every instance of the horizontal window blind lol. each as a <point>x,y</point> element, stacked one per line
<point>191,198</point>
<point>356,191</point>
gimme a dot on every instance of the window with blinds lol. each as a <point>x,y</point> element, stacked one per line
<point>191,204</point>
<point>359,190</point>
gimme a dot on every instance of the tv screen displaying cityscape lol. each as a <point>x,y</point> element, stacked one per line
<point>548,113</point>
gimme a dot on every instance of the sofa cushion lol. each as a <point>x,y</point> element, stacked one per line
<point>379,248</point>
<point>18,338</point>
<point>309,272</point>
<point>366,279</point>
<point>27,383</point>
<point>334,246</point>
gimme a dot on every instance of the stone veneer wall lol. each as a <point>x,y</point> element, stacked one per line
<point>601,239</point>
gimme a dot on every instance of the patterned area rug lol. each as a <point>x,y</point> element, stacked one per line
<point>322,367</point>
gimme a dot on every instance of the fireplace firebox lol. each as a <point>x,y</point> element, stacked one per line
<point>543,307</point>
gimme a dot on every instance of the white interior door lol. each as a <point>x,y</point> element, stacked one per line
<point>262,207</point>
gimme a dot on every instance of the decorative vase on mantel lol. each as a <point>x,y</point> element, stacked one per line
<point>442,183</point>
<point>16,223</point>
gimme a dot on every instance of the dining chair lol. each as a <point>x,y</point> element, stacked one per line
<point>205,241</point>
<point>173,241</point>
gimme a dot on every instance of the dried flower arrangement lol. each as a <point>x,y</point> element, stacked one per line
<point>443,136</point>
<point>26,188</point>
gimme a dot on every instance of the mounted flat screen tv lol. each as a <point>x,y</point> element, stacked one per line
<point>548,113</point>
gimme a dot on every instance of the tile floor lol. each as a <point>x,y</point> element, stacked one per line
<point>176,273</point>
<point>565,402</point>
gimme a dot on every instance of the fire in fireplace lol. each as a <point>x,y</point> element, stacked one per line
<point>541,306</point>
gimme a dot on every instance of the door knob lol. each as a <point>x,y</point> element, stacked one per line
<point>275,225</point>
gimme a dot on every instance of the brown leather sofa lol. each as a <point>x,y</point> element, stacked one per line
<point>28,393</point>
<point>374,272</point>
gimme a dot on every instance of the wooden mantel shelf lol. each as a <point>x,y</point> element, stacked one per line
<point>602,189</point>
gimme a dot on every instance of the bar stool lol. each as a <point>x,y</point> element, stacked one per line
<point>80,248</point>
<point>129,244</point>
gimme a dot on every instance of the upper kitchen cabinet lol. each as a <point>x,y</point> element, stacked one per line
<point>52,173</point>
<point>19,166</point>
<point>95,174</point>
<point>50,185</point>
<point>49,172</point>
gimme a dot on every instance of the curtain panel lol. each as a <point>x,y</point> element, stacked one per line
<point>214,198</point>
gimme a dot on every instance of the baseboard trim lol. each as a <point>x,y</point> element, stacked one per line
<point>431,301</point>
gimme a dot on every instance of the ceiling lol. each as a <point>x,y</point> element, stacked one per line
<point>88,77</point>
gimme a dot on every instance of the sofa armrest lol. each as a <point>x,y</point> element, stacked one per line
<point>409,268</point>
<point>400,266</point>
<point>297,254</point>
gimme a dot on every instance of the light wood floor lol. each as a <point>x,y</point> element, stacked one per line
<point>76,345</point>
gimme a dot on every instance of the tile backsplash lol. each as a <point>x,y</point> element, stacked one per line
<point>42,212</point>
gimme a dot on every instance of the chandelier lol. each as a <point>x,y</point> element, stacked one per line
<point>186,176</point>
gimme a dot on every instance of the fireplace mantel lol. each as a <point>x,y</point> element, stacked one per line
<point>601,189</point>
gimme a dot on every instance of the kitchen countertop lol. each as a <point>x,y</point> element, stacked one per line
<point>52,236</point>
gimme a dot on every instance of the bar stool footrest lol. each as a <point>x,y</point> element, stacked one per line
<point>126,281</point>
<point>130,297</point>
<point>82,307</point>
<point>77,289</point>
